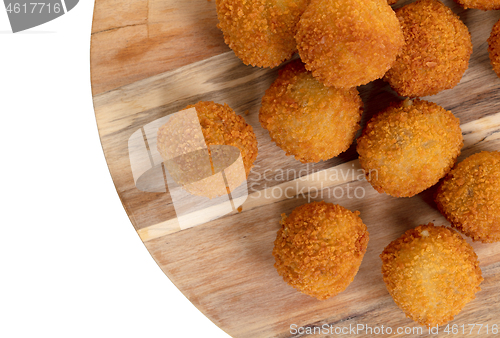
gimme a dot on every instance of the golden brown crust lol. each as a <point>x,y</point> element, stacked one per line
<point>220,125</point>
<point>260,32</point>
<point>436,53</point>
<point>319,248</point>
<point>469,197</point>
<point>348,43</point>
<point>307,119</point>
<point>485,5</point>
<point>192,158</point>
<point>409,147</point>
<point>494,47</point>
<point>431,273</point>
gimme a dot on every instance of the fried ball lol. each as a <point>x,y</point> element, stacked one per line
<point>319,248</point>
<point>307,119</point>
<point>494,47</point>
<point>409,147</point>
<point>485,5</point>
<point>347,43</point>
<point>431,273</point>
<point>260,32</point>
<point>469,197</point>
<point>220,125</point>
<point>436,53</point>
<point>226,142</point>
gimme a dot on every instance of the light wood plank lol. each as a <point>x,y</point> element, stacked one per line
<point>113,14</point>
<point>226,267</point>
<point>145,67</point>
<point>137,39</point>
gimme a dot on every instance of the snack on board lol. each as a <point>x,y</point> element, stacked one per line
<point>307,119</point>
<point>409,147</point>
<point>260,32</point>
<point>347,43</point>
<point>319,248</point>
<point>480,4</point>
<point>494,47</point>
<point>436,53</point>
<point>431,273</point>
<point>196,146</point>
<point>469,196</point>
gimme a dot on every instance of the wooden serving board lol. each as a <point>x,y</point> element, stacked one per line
<point>151,58</point>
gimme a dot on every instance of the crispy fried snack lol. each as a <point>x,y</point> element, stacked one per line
<point>431,273</point>
<point>260,32</point>
<point>409,147</point>
<point>347,43</point>
<point>319,248</point>
<point>307,119</point>
<point>469,197</point>
<point>485,5</point>
<point>436,52</point>
<point>220,125</point>
<point>494,47</point>
<point>196,146</point>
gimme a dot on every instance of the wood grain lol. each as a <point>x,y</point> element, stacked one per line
<point>113,14</point>
<point>136,39</point>
<point>475,133</point>
<point>225,267</point>
<point>152,58</point>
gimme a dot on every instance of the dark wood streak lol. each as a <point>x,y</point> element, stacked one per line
<point>225,267</point>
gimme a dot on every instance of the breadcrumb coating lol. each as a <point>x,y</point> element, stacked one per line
<point>485,5</point>
<point>469,197</point>
<point>220,125</point>
<point>347,43</point>
<point>436,53</point>
<point>494,47</point>
<point>319,248</point>
<point>194,160</point>
<point>260,32</point>
<point>307,119</point>
<point>409,147</point>
<point>431,273</point>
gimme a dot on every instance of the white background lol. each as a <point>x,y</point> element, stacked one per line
<point>71,264</point>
